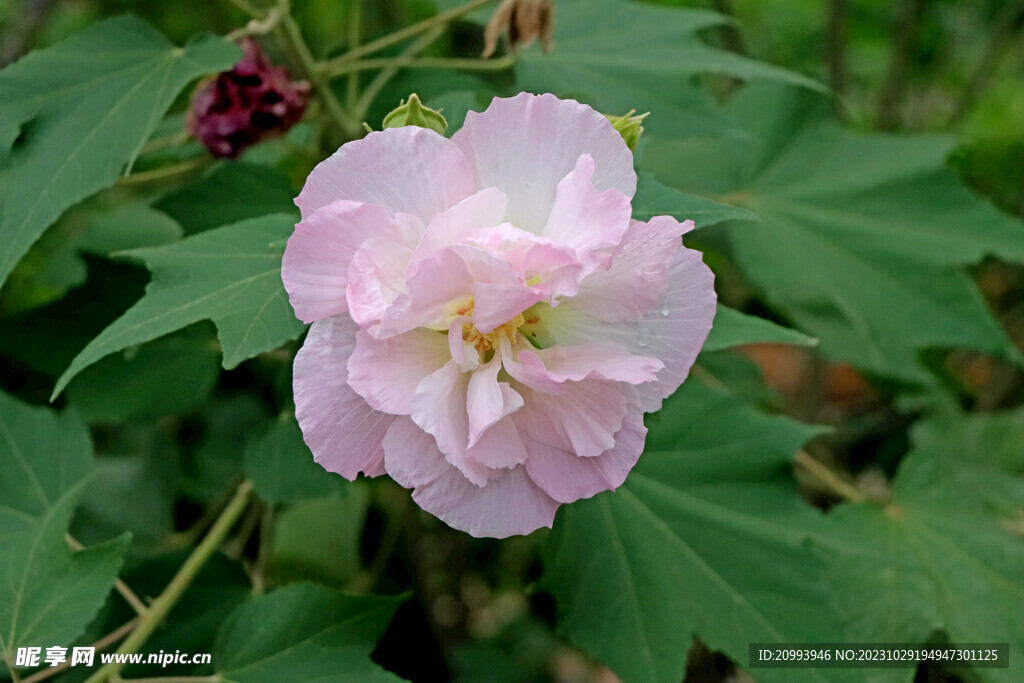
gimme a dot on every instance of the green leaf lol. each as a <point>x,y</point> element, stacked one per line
<point>130,225</point>
<point>319,540</point>
<point>935,558</point>
<point>47,593</point>
<point>229,194</point>
<point>83,109</point>
<point>282,468</point>
<point>167,376</point>
<point>326,634</point>
<point>861,234</point>
<point>706,538</point>
<point>654,199</point>
<point>630,55</point>
<point>231,275</point>
<point>732,328</point>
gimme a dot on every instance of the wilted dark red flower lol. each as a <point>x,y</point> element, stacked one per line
<point>253,101</point>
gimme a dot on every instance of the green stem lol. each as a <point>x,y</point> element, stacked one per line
<point>292,37</point>
<point>100,645</point>
<point>441,19</point>
<point>164,172</point>
<point>830,479</point>
<point>186,574</point>
<point>176,679</point>
<point>355,24</point>
<point>382,78</point>
<point>462,63</point>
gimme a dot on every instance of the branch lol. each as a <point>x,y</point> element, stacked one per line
<point>829,479</point>
<point>127,593</point>
<point>186,574</point>
<point>441,19</point>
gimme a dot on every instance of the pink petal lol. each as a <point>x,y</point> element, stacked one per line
<point>316,260</point>
<point>506,506</point>
<point>376,277</point>
<point>484,209</point>
<point>495,303</point>
<point>342,431</point>
<point>567,478</point>
<point>386,371</point>
<point>406,170</point>
<point>501,446</point>
<point>526,144</point>
<point>674,330</point>
<point>582,420</point>
<point>634,283</point>
<point>534,259</point>
<point>439,408</point>
<point>489,400</point>
<point>584,218</point>
<point>599,360</point>
<point>410,454</point>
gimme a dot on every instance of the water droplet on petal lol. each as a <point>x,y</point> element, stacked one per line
<point>644,337</point>
<point>664,308</point>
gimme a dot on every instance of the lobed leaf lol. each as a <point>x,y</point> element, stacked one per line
<point>72,116</point>
<point>231,275</point>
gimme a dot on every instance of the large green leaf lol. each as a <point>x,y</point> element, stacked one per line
<point>621,55</point>
<point>935,558</point>
<point>282,468</point>
<point>231,275</point>
<point>706,538</point>
<point>73,115</point>
<point>305,631</point>
<point>228,194</point>
<point>654,199</point>
<point>861,234</point>
<point>732,328</point>
<point>47,593</point>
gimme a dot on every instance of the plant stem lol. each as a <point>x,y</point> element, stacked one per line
<point>186,574</point>
<point>292,37</point>
<point>381,79</point>
<point>127,593</point>
<point>832,481</point>
<point>440,19</point>
<point>164,172</point>
<point>101,644</point>
<point>1005,35</point>
<point>895,85</point>
<point>177,679</point>
<point>355,25</point>
<point>463,63</point>
<point>835,52</point>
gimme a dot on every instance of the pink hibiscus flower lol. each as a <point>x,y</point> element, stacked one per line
<point>489,324</point>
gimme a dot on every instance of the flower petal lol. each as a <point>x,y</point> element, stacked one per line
<point>485,209</point>
<point>386,371</point>
<point>316,261</point>
<point>582,420</point>
<point>599,360</point>
<point>439,408</point>
<point>488,400</point>
<point>376,278</point>
<point>584,218</point>
<point>341,429</point>
<point>526,144</point>
<point>406,170</point>
<point>567,478</point>
<point>674,330</point>
<point>633,285</point>
<point>509,505</point>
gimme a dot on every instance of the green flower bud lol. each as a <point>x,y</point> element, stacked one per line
<point>413,113</point>
<point>629,127</point>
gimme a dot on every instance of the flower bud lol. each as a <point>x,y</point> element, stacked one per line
<point>252,102</point>
<point>413,113</point>
<point>525,20</point>
<point>629,127</point>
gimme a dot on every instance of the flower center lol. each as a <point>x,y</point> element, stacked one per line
<point>491,340</point>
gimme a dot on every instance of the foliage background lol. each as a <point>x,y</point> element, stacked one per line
<point>845,463</point>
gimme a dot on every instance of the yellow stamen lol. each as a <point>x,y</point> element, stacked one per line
<point>491,340</point>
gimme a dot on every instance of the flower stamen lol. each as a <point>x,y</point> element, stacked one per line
<point>484,342</point>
